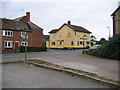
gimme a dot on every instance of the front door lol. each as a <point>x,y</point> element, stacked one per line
<point>16,45</point>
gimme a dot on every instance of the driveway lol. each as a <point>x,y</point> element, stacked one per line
<point>22,75</point>
<point>49,53</point>
<point>71,58</point>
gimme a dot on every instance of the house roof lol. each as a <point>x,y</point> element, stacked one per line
<point>14,25</point>
<point>18,24</point>
<point>46,37</point>
<point>74,27</point>
<point>115,11</point>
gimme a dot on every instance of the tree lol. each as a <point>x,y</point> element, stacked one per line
<point>92,37</point>
<point>102,41</point>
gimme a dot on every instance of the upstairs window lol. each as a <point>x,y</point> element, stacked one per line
<point>8,44</point>
<point>53,35</point>
<point>7,33</point>
<point>23,34</point>
<point>87,35</point>
<point>60,34</point>
<point>78,34</point>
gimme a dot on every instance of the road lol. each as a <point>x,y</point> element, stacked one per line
<point>49,53</point>
<point>22,75</point>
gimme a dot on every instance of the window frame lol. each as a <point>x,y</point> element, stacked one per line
<point>60,34</point>
<point>22,34</point>
<point>7,32</point>
<point>53,34</point>
<point>7,46</point>
<point>78,34</point>
<point>24,43</point>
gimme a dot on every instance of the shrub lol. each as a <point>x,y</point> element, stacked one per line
<point>33,49</point>
<point>109,50</point>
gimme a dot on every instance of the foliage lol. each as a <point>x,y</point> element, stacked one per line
<point>33,49</point>
<point>109,49</point>
<point>102,41</point>
<point>92,37</point>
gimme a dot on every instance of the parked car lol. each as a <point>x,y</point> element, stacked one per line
<point>95,47</point>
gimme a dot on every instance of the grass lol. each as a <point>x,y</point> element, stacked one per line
<point>8,61</point>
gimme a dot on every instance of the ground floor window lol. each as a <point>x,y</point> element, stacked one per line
<point>23,43</point>
<point>72,43</point>
<point>81,42</point>
<point>77,42</point>
<point>60,42</point>
<point>8,44</point>
<point>53,43</point>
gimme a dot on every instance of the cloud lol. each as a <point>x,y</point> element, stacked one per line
<point>93,15</point>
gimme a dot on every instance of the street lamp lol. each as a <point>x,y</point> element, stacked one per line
<point>109,32</point>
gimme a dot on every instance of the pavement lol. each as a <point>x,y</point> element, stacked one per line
<point>73,59</point>
<point>23,75</point>
<point>103,67</point>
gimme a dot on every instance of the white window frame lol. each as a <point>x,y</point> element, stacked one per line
<point>23,43</point>
<point>7,46</point>
<point>60,34</point>
<point>5,33</point>
<point>53,34</point>
<point>78,34</point>
<point>23,33</point>
<point>83,34</point>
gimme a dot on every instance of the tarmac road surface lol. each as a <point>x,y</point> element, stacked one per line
<point>22,75</point>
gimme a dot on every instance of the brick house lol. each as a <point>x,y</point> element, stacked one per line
<point>12,32</point>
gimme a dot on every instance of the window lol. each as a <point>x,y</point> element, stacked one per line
<point>80,42</point>
<point>60,34</point>
<point>23,34</point>
<point>78,34</point>
<point>75,32</point>
<point>23,43</point>
<point>87,35</point>
<point>77,42</point>
<point>87,42</point>
<point>8,44</point>
<point>83,34</point>
<point>72,43</point>
<point>7,33</point>
<point>60,42</point>
<point>53,35</point>
<point>53,43</point>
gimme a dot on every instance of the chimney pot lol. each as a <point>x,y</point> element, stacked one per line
<point>69,22</point>
<point>28,16</point>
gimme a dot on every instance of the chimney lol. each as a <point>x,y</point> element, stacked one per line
<point>27,16</point>
<point>69,22</point>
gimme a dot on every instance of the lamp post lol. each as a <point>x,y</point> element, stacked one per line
<point>109,32</point>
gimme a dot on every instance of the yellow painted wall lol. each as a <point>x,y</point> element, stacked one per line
<point>68,35</point>
<point>117,22</point>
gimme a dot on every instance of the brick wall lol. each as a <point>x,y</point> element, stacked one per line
<point>34,39</point>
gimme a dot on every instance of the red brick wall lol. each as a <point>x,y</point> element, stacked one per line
<point>37,38</point>
<point>34,38</point>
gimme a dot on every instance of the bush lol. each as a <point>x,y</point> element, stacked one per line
<point>33,49</point>
<point>109,50</point>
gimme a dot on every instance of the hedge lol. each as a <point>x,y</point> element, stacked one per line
<point>33,49</point>
<point>110,49</point>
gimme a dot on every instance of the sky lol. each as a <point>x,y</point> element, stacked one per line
<point>93,15</point>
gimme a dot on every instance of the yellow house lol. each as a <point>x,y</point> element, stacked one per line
<point>69,36</point>
<point>116,21</point>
